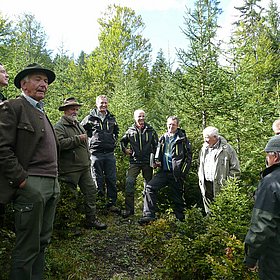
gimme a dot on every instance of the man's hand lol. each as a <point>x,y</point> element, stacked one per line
<point>128,152</point>
<point>83,137</point>
<point>157,164</point>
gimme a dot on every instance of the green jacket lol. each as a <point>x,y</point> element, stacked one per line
<point>262,242</point>
<point>74,153</point>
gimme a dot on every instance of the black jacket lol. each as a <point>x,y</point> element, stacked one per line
<point>102,134</point>
<point>141,142</point>
<point>181,154</point>
<point>262,242</point>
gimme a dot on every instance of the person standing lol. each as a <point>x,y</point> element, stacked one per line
<point>4,79</point>
<point>28,170</point>
<point>174,157</point>
<point>217,162</point>
<point>102,129</point>
<point>138,142</point>
<point>74,160</point>
<point>262,242</point>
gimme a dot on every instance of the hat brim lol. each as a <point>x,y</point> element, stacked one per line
<point>63,107</point>
<point>50,74</point>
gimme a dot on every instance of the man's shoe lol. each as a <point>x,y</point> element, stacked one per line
<point>96,224</point>
<point>127,213</point>
<point>146,220</point>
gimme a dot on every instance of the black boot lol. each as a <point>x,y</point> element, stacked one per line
<point>94,223</point>
<point>129,205</point>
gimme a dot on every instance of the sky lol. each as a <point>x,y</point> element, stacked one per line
<point>73,24</point>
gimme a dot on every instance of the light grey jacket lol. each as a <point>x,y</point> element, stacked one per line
<point>226,166</point>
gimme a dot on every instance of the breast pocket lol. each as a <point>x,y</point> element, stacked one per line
<point>25,127</point>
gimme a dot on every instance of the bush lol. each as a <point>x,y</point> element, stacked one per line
<point>232,209</point>
<point>209,247</point>
<point>69,211</point>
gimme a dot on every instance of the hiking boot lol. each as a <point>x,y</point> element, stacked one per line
<point>146,220</point>
<point>95,224</point>
<point>127,213</point>
<point>114,209</point>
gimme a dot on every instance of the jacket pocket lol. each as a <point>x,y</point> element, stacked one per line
<point>23,215</point>
<point>25,126</point>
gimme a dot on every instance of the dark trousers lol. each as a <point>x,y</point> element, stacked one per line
<point>34,207</point>
<point>132,173</point>
<point>131,176</point>
<point>103,167</point>
<point>2,214</point>
<point>159,181</point>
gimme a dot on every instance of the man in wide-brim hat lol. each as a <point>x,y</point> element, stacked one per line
<point>29,169</point>
<point>74,161</point>
<point>31,69</point>
<point>71,101</point>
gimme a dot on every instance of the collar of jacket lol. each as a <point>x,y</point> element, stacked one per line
<point>94,113</point>
<point>270,169</point>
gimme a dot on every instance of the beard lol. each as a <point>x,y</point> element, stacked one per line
<point>72,118</point>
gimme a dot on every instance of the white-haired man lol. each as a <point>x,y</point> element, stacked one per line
<point>217,162</point>
<point>138,142</point>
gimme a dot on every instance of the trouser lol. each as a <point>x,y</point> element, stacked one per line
<point>209,195</point>
<point>84,180</point>
<point>34,207</point>
<point>159,181</point>
<point>2,214</point>
<point>131,176</point>
<point>103,166</point>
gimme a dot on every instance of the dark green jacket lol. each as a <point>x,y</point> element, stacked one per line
<point>262,242</point>
<point>74,153</point>
<point>181,154</point>
<point>141,142</point>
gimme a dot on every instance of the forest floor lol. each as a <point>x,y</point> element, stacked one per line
<point>114,253</point>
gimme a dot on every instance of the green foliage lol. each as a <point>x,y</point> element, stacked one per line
<point>69,212</point>
<point>7,239</point>
<point>232,208</point>
<point>208,247</point>
<point>64,262</point>
<point>241,99</point>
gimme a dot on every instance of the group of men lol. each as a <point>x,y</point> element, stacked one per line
<point>34,154</point>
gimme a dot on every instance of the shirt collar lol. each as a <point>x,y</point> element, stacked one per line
<point>39,105</point>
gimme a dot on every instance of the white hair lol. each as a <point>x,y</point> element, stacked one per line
<point>137,112</point>
<point>211,131</point>
<point>276,126</point>
<point>100,97</point>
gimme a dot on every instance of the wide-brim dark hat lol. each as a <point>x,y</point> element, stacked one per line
<point>34,68</point>
<point>70,101</point>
